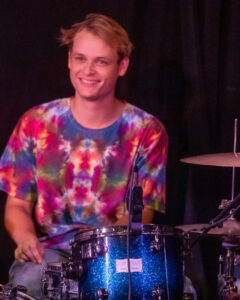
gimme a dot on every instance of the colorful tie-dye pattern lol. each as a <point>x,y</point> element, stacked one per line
<point>78,175</point>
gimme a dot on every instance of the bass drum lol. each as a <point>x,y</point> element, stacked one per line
<point>155,263</point>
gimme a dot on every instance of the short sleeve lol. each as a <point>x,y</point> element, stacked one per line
<point>17,163</point>
<point>152,166</point>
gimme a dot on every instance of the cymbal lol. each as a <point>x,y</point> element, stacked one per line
<point>231,227</point>
<point>218,159</point>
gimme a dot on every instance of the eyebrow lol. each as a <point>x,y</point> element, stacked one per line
<point>97,57</point>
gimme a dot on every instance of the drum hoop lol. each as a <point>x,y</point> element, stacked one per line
<point>110,231</point>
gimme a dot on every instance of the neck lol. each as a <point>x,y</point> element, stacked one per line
<point>96,114</point>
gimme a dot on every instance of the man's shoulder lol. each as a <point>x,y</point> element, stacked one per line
<point>141,116</point>
<point>48,109</point>
<point>54,105</point>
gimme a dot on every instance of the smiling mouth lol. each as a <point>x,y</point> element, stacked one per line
<point>89,82</point>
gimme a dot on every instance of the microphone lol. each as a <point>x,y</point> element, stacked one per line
<point>136,206</point>
<point>133,181</point>
<point>135,175</point>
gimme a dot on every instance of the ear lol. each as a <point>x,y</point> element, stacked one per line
<point>69,58</point>
<point>123,66</point>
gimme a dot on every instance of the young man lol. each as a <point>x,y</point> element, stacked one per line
<point>71,159</point>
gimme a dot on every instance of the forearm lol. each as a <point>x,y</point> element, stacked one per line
<point>18,222</point>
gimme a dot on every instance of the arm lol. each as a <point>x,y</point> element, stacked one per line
<point>20,226</point>
<point>152,173</point>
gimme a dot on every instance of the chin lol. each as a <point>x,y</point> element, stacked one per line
<point>90,98</point>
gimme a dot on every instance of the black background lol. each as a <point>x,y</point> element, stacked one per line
<point>185,70</point>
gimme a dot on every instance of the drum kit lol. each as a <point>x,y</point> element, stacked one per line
<point>154,267</point>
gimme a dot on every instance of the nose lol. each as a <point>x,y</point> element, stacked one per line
<point>89,68</point>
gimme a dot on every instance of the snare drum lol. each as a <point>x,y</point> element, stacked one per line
<point>155,263</point>
<point>56,286</point>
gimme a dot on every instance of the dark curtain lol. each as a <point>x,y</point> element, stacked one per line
<point>185,70</point>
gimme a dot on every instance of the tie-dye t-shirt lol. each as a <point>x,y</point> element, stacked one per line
<point>78,176</point>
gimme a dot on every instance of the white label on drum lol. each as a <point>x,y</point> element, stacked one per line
<point>135,265</point>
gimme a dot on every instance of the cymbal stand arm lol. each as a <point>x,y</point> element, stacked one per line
<point>235,153</point>
<point>229,211</point>
<point>228,203</point>
<point>212,225</point>
<point>233,183</point>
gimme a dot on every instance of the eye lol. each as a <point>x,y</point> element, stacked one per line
<point>102,61</point>
<point>80,58</point>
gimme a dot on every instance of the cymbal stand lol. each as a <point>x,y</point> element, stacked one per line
<point>235,153</point>
<point>229,288</point>
<point>224,202</point>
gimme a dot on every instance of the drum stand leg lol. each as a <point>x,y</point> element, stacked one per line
<point>229,289</point>
<point>186,254</point>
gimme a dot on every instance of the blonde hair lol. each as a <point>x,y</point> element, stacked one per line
<point>103,27</point>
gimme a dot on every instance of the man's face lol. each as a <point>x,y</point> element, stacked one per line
<point>94,67</point>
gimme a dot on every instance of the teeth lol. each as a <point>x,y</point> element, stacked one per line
<point>89,81</point>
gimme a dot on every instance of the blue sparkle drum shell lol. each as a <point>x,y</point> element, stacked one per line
<point>155,259</point>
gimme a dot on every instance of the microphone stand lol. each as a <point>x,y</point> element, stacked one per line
<point>128,248</point>
<point>135,207</point>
